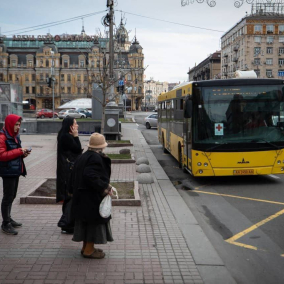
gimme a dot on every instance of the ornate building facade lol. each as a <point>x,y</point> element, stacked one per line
<point>77,62</point>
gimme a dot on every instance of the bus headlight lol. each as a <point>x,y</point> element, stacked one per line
<point>282,169</point>
<point>200,171</point>
<point>278,162</point>
<point>205,165</point>
<point>199,164</point>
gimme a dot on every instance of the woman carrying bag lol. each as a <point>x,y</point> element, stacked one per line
<point>68,150</point>
<point>90,179</point>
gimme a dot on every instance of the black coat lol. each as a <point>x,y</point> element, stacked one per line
<point>68,149</point>
<point>90,178</point>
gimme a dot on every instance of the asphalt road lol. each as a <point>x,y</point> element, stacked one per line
<point>243,217</point>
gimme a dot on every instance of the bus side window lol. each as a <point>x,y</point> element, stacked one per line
<point>188,109</point>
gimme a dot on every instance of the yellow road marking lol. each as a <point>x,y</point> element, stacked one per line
<point>254,227</point>
<point>242,245</point>
<point>201,186</point>
<point>234,238</point>
<point>240,197</point>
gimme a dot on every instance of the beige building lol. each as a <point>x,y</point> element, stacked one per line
<point>152,90</point>
<point>78,63</point>
<point>256,43</point>
<point>208,69</point>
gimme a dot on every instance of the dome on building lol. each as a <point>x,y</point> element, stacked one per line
<point>51,45</point>
<point>78,103</point>
<point>121,34</point>
<point>135,46</point>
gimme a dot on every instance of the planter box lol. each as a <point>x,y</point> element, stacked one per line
<point>34,198</point>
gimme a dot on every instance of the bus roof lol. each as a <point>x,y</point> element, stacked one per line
<point>183,90</point>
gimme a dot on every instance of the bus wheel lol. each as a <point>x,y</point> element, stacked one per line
<point>179,157</point>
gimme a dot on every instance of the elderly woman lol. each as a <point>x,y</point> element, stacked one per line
<point>91,177</point>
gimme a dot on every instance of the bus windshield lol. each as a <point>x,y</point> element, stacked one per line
<point>225,115</point>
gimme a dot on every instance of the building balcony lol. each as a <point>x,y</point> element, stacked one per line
<point>47,95</point>
<point>235,58</point>
<point>236,47</point>
<point>225,54</point>
<point>225,74</point>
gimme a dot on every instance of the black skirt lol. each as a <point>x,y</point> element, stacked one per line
<point>92,233</point>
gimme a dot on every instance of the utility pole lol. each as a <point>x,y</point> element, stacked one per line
<point>53,79</point>
<point>111,45</point>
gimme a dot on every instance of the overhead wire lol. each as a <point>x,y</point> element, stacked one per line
<point>170,22</point>
<point>56,23</point>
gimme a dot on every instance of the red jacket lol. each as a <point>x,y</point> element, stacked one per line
<point>5,155</point>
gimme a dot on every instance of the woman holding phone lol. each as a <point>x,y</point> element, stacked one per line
<point>68,150</point>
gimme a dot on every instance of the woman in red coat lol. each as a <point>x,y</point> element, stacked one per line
<point>11,168</point>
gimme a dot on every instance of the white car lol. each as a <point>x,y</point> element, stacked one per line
<point>70,113</point>
<point>151,121</point>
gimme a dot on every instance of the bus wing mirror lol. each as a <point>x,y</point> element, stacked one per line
<point>188,109</point>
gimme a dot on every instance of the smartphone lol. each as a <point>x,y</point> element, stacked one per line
<point>29,149</point>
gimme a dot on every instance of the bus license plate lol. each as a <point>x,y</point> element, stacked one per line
<point>243,172</point>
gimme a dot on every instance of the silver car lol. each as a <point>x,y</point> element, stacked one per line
<point>151,121</point>
<point>70,113</point>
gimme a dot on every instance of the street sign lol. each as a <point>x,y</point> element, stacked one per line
<point>280,73</point>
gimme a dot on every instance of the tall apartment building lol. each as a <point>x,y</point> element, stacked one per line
<point>208,69</point>
<point>152,90</point>
<point>256,42</point>
<point>27,60</point>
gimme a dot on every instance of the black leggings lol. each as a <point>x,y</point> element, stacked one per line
<point>10,187</point>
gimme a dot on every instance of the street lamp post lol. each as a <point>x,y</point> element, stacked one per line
<point>53,79</point>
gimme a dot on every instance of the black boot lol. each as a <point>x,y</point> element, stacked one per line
<point>15,224</point>
<point>8,229</point>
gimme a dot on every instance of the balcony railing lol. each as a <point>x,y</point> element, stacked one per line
<point>235,58</point>
<point>236,47</point>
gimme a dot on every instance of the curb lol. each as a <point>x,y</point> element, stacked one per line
<point>120,145</point>
<point>204,254</point>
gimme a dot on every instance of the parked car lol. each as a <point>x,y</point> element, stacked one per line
<point>151,121</point>
<point>84,111</point>
<point>71,113</point>
<point>44,113</point>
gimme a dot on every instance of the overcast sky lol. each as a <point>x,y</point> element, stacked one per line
<point>169,49</point>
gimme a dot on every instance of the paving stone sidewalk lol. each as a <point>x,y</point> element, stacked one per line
<point>149,246</point>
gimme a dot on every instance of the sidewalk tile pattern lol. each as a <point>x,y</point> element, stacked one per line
<point>148,247</point>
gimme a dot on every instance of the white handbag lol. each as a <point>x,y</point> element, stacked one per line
<point>105,206</point>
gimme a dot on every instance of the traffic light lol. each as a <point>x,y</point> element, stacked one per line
<point>49,82</point>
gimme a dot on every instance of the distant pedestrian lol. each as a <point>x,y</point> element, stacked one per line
<point>90,179</point>
<point>68,150</point>
<point>11,168</point>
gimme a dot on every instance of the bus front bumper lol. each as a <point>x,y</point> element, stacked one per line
<point>239,171</point>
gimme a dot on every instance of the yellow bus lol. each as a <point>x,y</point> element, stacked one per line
<point>224,127</point>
